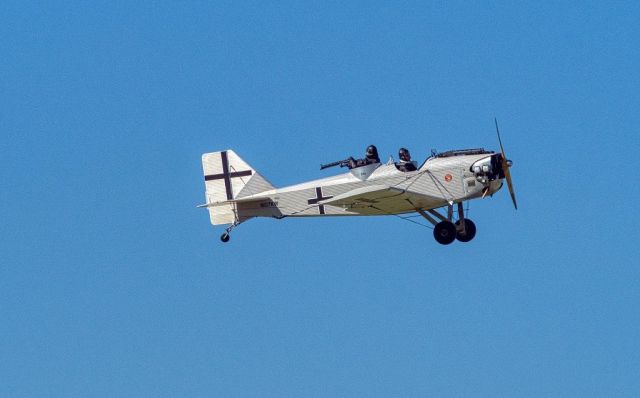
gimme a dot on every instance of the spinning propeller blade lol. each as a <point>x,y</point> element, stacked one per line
<point>505,168</point>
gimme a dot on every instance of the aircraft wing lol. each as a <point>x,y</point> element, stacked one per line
<point>380,199</point>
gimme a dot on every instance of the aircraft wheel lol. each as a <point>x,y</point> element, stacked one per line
<point>445,232</point>
<point>225,237</point>
<point>469,231</point>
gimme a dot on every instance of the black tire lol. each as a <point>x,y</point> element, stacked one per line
<point>225,237</point>
<point>469,231</point>
<point>444,232</point>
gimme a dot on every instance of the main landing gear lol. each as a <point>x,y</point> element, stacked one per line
<point>445,231</point>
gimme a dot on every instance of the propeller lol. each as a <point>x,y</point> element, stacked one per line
<point>505,168</point>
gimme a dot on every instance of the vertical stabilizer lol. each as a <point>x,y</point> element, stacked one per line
<point>228,177</point>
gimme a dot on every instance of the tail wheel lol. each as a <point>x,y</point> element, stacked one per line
<point>469,230</point>
<point>445,232</point>
<point>225,237</point>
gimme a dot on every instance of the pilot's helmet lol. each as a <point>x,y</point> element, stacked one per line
<point>404,155</point>
<point>372,152</point>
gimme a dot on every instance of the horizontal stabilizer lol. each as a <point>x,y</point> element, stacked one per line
<point>254,199</point>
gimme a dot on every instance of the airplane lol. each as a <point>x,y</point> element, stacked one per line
<point>236,192</point>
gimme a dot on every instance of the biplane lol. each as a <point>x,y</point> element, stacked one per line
<point>236,192</point>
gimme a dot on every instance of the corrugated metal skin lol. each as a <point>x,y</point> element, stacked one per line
<point>430,182</point>
<point>256,184</point>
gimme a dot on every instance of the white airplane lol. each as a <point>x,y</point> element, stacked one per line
<point>235,192</point>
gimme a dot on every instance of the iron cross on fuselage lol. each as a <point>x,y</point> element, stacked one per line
<point>318,198</point>
<point>227,175</point>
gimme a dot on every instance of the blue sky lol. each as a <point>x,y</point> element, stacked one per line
<point>112,283</point>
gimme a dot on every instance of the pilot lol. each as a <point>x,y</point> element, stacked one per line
<point>405,164</point>
<point>371,157</point>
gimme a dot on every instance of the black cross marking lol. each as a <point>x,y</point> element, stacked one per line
<point>226,175</point>
<point>318,198</point>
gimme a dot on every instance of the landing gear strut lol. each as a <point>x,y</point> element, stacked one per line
<point>465,228</point>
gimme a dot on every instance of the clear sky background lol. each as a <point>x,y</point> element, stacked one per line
<point>113,284</point>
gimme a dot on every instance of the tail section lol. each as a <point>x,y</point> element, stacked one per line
<point>228,178</point>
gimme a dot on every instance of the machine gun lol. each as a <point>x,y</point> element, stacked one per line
<point>341,163</point>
